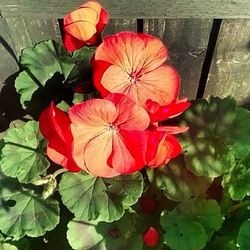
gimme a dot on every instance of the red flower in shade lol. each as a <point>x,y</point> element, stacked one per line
<point>151,237</point>
<point>55,126</point>
<point>132,64</point>
<point>109,136</point>
<point>162,145</point>
<point>84,25</point>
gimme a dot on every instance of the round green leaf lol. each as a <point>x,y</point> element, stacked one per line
<point>244,236</point>
<point>205,212</point>
<point>104,199</point>
<point>238,180</point>
<point>104,236</point>
<point>177,182</point>
<point>182,234</point>
<point>22,153</point>
<point>213,130</point>
<point>40,64</point>
<point>24,212</point>
<point>195,217</point>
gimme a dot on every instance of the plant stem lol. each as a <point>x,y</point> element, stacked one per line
<point>59,171</point>
<point>240,205</point>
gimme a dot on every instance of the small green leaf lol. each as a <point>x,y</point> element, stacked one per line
<point>196,217</point>
<point>105,236</point>
<point>24,212</point>
<point>40,64</point>
<point>177,182</point>
<point>22,153</point>
<point>7,246</point>
<point>84,54</point>
<point>91,198</point>
<point>238,180</point>
<point>182,234</point>
<point>244,236</point>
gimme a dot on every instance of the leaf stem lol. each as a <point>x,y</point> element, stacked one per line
<point>59,171</point>
<point>239,205</point>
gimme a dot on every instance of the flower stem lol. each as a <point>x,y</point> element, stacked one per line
<point>239,205</point>
<point>59,171</point>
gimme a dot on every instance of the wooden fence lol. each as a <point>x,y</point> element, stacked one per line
<point>209,41</point>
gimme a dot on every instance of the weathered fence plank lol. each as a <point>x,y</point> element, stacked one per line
<point>26,32</point>
<point>8,64</point>
<point>117,25</point>
<point>132,9</point>
<point>187,41</point>
<point>230,68</point>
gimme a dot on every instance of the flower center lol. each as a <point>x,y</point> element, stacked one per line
<point>134,77</point>
<point>113,128</point>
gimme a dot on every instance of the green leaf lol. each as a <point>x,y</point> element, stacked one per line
<point>105,236</point>
<point>197,217</point>
<point>215,128</point>
<point>40,64</point>
<point>24,212</point>
<point>177,182</point>
<point>226,237</point>
<point>84,54</point>
<point>238,180</point>
<point>243,236</point>
<point>22,153</point>
<point>7,246</point>
<point>103,199</point>
<point>182,234</point>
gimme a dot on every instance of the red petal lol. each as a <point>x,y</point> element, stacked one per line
<point>99,68</point>
<point>55,126</point>
<point>71,43</point>
<point>154,138</point>
<point>173,130</point>
<point>128,154</point>
<point>151,237</point>
<point>131,116</point>
<point>161,113</point>
<point>168,148</point>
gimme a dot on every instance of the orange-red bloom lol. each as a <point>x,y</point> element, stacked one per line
<point>109,135</point>
<point>55,126</point>
<point>162,145</point>
<point>84,25</point>
<point>132,64</point>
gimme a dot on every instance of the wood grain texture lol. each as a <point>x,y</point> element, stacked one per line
<point>117,25</point>
<point>8,63</point>
<point>187,41</point>
<point>131,8</point>
<point>230,68</point>
<point>25,32</point>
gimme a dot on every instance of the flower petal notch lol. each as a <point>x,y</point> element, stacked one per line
<point>84,25</point>
<point>109,135</point>
<point>133,64</point>
<point>55,126</point>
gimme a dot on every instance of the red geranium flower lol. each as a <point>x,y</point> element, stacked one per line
<point>84,25</point>
<point>55,126</point>
<point>132,64</point>
<point>162,144</point>
<point>109,136</point>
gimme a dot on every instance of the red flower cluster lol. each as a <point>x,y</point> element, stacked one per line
<point>121,133</point>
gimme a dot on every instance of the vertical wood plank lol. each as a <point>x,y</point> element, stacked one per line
<point>8,64</point>
<point>187,41</point>
<point>26,32</point>
<point>117,25</point>
<point>230,69</point>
